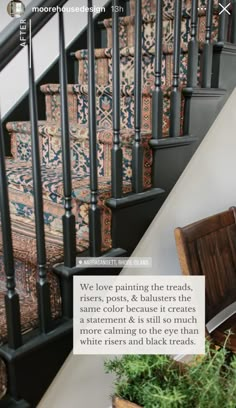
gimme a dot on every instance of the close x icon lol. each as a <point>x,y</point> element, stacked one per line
<point>224,8</point>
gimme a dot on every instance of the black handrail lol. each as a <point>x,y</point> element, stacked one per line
<point>10,39</point>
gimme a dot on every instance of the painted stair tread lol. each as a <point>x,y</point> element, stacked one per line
<point>103,65</point>
<point>51,148</point>
<point>127,29</point>
<point>80,89</point>
<point>127,35</point>
<point>168,48</point>
<point>76,131</point>
<point>78,104</point>
<point>104,103</point>
<point>22,207</point>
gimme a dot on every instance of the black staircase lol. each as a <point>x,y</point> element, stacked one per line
<point>25,352</point>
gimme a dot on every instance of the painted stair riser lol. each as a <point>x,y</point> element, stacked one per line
<point>51,151</point>
<point>104,109</point>
<point>149,6</point>
<point>127,31</point>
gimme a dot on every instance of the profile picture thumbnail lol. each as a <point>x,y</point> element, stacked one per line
<point>15,8</point>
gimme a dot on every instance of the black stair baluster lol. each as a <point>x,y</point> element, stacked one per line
<point>157,94</point>
<point>193,47</point>
<point>94,211</point>
<point>233,26</point>
<point>175,99</point>
<point>222,30</point>
<point>116,153</point>
<point>11,298</point>
<point>137,151</point>
<point>43,289</point>
<point>69,233</point>
<point>207,54</point>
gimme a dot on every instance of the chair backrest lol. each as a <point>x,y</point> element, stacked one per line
<point>208,247</point>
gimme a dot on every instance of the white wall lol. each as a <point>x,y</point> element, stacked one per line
<point>13,79</point>
<point>207,186</point>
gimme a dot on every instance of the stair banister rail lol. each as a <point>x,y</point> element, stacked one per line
<point>223,20</point>
<point>116,153</point>
<point>12,304</point>
<point>94,211</point>
<point>193,47</point>
<point>68,219</point>
<point>157,94</point>
<point>43,289</point>
<point>9,39</point>
<point>207,55</point>
<point>175,100</point>
<point>137,151</point>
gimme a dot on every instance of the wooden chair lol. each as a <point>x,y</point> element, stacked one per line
<point>208,247</point>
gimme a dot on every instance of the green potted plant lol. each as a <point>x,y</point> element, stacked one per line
<point>157,381</point>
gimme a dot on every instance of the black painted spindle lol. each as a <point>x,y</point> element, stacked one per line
<point>233,26</point>
<point>116,153</point>
<point>94,211</point>
<point>223,22</point>
<point>43,289</point>
<point>11,298</point>
<point>137,161</point>
<point>207,55</point>
<point>157,94</point>
<point>69,234</point>
<point>175,99</point>
<point>193,47</point>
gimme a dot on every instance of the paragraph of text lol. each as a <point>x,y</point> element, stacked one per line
<point>139,315</point>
